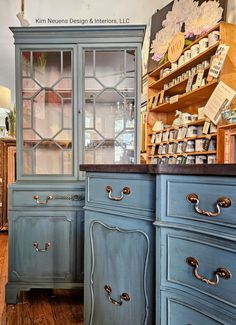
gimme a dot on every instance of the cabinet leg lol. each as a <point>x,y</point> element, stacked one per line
<point>11,295</point>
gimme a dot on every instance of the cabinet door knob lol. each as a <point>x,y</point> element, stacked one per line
<point>125,191</point>
<point>124,296</point>
<point>222,202</point>
<point>221,272</point>
<point>46,247</point>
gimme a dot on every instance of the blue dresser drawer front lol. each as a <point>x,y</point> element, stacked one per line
<point>141,197</point>
<point>46,198</point>
<point>180,309</point>
<point>42,247</point>
<point>174,203</point>
<point>211,254</point>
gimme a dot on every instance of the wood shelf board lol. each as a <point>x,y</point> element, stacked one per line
<point>180,87</point>
<point>177,89</point>
<point>156,72</point>
<point>213,135</point>
<point>159,84</point>
<point>197,122</point>
<point>227,126</point>
<point>190,98</point>
<point>195,153</point>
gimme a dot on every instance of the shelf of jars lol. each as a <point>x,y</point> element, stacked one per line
<point>185,139</point>
<point>195,138</point>
<point>208,157</point>
<point>184,100</point>
<point>184,87</point>
<point>205,56</point>
<point>156,74</point>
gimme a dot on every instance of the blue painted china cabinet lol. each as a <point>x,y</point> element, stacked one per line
<point>77,99</point>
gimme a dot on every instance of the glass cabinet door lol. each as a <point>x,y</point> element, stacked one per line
<point>47,113</point>
<point>109,106</point>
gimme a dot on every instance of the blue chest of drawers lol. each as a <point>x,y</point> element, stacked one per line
<point>195,248</point>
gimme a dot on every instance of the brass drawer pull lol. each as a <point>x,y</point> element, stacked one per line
<point>46,247</point>
<point>123,296</point>
<point>221,272</point>
<point>124,191</point>
<point>57,197</point>
<point>222,202</point>
<point>37,198</point>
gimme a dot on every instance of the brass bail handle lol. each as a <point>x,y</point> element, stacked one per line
<point>123,297</point>
<point>46,247</point>
<point>221,272</point>
<point>125,191</point>
<point>37,199</point>
<point>222,202</point>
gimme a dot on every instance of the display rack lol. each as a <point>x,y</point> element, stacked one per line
<point>172,89</point>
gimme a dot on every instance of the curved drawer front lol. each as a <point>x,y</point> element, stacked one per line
<point>209,190</point>
<point>122,191</point>
<point>210,253</point>
<point>48,198</point>
<point>43,247</point>
<point>180,310</point>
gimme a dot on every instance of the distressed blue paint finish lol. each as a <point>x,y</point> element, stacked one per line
<point>118,252</point>
<point>180,308</point>
<point>22,195</point>
<point>174,207</point>
<point>211,253</point>
<point>56,228</point>
<point>76,39</point>
<point>59,222</point>
<point>139,185</point>
<point>181,232</point>
<point>112,229</point>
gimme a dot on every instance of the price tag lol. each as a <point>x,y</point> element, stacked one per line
<point>218,61</point>
<point>199,78</point>
<point>161,97</point>
<point>189,84</point>
<point>206,127</point>
<point>174,99</point>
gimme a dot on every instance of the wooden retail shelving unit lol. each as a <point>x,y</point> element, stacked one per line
<point>189,102</point>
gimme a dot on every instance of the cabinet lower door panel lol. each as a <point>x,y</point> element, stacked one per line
<point>117,279</point>
<point>43,247</point>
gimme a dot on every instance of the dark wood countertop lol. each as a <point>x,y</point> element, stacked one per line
<point>216,169</point>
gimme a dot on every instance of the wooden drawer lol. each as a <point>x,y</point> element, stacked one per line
<point>211,254</point>
<point>43,246</point>
<point>175,190</point>
<point>182,309</point>
<point>46,198</point>
<point>110,190</point>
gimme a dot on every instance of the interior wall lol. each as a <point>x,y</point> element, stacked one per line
<point>137,12</point>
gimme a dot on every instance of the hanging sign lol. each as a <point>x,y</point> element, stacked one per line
<point>176,47</point>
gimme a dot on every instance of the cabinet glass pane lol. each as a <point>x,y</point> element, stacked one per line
<point>47,113</point>
<point>110,106</point>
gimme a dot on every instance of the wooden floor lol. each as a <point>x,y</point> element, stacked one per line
<point>38,307</point>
